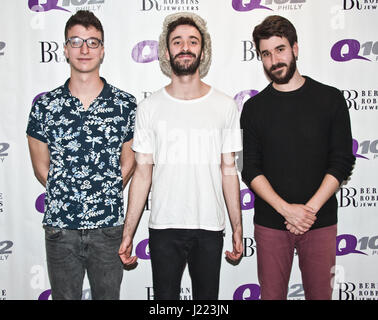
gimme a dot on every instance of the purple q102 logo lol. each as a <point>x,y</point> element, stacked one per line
<point>145,51</point>
<point>35,5</point>
<point>254,292</point>
<point>240,98</point>
<point>2,46</point>
<point>49,5</point>
<point>239,5</point>
<point>38,96</point>
<point>141,250</point>
<point>350,245</point>
<point>353,49</point>
<point>247,194</point>
<point>40,203</point>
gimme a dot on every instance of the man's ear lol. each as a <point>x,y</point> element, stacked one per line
<point>295,50</point>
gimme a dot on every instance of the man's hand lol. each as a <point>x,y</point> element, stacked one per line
<point>299,217</point>
<point>125,251</point>
<point>237,247</point>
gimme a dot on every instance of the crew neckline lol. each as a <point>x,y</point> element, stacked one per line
<point>288,93</point>
<point>190,100</point>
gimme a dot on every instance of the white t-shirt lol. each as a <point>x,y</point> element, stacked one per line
<point>186,139</point>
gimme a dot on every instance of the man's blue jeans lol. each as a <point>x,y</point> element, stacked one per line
<point>71,253</point>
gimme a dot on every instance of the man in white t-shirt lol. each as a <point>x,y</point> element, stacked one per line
<point>185,138</point>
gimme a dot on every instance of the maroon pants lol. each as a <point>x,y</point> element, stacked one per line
<point>316,254</point>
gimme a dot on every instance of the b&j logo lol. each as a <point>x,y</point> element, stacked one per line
<point>349,244</point>
<point>358,197</point>
<point>351,49</point>
<point>5,249</point>
<point>65,5</point>
<point>245,5</point>
<point>3,294</point>
<point>361,100</point>
<point>252,291</point>
<point>360,4</point>
<point>170,5</point>
<point>2,47</point>
<point>249,51</point>
<point>365,148</point>
<point>358,291</point>
<point>4,147</point>
<point>185,293</point>
<point>51,52</point>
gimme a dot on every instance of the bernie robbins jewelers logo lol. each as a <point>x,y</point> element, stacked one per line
<point>276,5</point>
<point>358,291</point>
<point>170,5</point>
<point>65,5</point>
<point>185,293</point>
<point>361,197</point>
<point>360,5</point>
<point>51,52</point>
<point>351,49</point>
<point>361,100</point>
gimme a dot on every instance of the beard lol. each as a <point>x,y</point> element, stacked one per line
<point>281,77</point>
<point>184,69</point>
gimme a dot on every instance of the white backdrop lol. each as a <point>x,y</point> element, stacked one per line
<point>338,45</point>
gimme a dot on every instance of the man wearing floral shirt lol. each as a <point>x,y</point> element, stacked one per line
<point>80,137</point>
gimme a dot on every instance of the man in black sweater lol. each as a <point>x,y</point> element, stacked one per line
<point>297,150</point>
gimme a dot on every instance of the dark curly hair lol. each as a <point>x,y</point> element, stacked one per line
<point>274,26</point>
<point>86,19</point>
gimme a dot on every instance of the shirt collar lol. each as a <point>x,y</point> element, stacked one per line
<point>105,93</point>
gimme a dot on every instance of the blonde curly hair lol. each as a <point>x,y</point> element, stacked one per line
<point>200,23</point>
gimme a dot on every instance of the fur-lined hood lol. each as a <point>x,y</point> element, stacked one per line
<point>165,65</point>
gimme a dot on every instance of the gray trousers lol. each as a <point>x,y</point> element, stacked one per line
<point>71,253</point>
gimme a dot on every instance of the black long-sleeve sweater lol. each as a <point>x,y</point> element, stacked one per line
<point>294,139</point>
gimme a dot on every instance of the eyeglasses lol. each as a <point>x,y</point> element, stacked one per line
<point>77,42</point>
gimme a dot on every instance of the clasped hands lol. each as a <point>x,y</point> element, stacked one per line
<point>299,218</point>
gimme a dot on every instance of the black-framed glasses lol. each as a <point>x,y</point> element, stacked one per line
<point>77,42</point>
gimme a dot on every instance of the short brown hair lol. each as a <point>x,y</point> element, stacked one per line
<point>86,19</point>
<point>274,26</point>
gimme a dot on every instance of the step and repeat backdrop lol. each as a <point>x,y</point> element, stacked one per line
<point>338,45</point>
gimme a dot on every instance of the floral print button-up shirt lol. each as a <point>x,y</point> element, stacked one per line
<point>84,184</point>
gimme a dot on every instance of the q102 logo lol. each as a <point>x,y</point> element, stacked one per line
<point>252,291</point>
<point>46,295</point>
<point>2,47</point>
<point>364,148</point>
<point>348,244</point>
<point>243,5</point>
<point>351,49</point>
<point>48,5</point>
